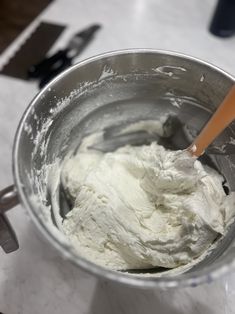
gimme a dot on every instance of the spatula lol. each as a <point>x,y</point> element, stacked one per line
<point>223,116</point>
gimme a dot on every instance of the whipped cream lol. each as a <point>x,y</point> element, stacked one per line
<point>143,207</point>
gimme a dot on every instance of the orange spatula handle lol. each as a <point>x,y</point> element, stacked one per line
<point>223,116</point>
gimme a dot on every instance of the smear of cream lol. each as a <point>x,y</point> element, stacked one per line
<point>143,207</point>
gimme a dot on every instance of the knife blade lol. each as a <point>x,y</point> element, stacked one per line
<point>49,67</point>
<point>32,49</point>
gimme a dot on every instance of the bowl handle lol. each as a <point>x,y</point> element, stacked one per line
<point>8,199</point>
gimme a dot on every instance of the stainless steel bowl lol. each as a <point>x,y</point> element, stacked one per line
<point>110,90</point>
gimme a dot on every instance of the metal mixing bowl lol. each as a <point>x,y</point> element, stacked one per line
<point>106,91</point>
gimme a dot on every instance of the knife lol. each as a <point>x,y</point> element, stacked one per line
<point>51,66</point>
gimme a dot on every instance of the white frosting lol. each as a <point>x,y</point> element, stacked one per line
<point>141,207</point>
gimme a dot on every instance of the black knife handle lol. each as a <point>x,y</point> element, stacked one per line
<point>48,64</point>
<point>64,64</point>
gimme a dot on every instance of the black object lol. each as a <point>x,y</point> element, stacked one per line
<point>223,21</point>
<point>49,67</point>
<point>63,62</point>
<point>32,50</point>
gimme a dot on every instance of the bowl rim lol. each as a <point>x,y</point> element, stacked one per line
<point>187,279</point>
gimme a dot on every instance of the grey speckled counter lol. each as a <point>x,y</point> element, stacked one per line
<point>35,280</point>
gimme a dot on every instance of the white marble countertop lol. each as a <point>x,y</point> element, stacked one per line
<point>35,279</point>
